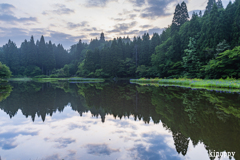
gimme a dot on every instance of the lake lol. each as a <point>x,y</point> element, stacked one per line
<point>116,121</point>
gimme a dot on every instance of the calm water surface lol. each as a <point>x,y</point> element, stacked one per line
<point>116,121</point>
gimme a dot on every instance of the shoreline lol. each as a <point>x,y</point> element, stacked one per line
<point>215,84</point>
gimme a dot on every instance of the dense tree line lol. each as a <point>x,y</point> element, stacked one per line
<point>205,46</point>
<point>4,71</point>
<point>32,58</point>
<point>187,48</point>
<point>191,50</point>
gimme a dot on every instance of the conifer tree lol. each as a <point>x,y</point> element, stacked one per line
<point>24,54</point>
<point>219,4</point>
<point>11,56</point>
<point>144,56</point>
<point>42,50</point>
<point>78,53</point>
<point>33,57</point>
<point>236,27</point>
<point>115,57</point>
<point>176,22</point>
<point>227,21</point>
<point>102,38</point>
<point>209,6</point>
<point>184,13</point>
<point>50,62</point>
<point>200,13</point>
<point>155,40</point>
<point>180,17</point>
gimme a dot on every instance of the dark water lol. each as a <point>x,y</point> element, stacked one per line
<point>109,121</point>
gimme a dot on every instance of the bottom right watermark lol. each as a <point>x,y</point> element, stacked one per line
<point>221,154</point>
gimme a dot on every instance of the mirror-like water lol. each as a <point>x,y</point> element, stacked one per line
<point>116,121</point>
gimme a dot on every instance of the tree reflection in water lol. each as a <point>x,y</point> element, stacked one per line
<point>201,116</point>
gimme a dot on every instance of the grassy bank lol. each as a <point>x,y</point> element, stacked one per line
<point>20,79</point>
<point>72,79</point>
<point>192,83</point>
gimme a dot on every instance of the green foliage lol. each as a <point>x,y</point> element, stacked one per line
<point>81,72</point>
<point>221,47</point>
<point>5,91</point>
<point>127,68</point>
<point>32,71</point>
<point>226,64</point>
<point>63,72</point>
<point>191,62</point>
<point>209,7</point>
<point>4,71</point>
<point>142,70</point>
<point>41,76</point>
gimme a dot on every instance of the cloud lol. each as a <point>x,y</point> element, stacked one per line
<point>10,135</point>
<point>156,9</point>
<point>7,15</point>
<point>64,142</point>
<point>156,148</point>
<point>127,17</point>
<point>98,3</point>
<point>71,25</point>
<point>137,3</point>
<point>11,18</point>
<point>126,12</point>
<point>155,30</point>
<point>131,32</point>
<point>89,29</point>
<point>52,157</point>
<point>8,145</point>
<point>100,149</point>
<point>94,34</point>
<point>132,16</point>
<point>18,35</point>
<point>118,28</point>
<point>63,36</point>
<point>75,126</point>
<point>118,19</point>
<point>60,10</point>
<point>6,8</point>
<point>7,139</point>
<point>71,153</point>
<point>146,26</point>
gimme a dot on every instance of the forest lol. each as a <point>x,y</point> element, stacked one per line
<point>205,45</point>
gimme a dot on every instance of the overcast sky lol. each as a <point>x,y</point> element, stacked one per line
<point>67,21</point>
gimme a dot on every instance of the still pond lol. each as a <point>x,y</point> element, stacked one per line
<point>116,121</point>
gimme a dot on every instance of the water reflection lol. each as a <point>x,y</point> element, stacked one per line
<point>182,121</point>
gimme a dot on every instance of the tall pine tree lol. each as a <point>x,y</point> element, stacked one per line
<point>209,6</point>
<point>176,22</point>
<point>219,4</point>
<point>184,13</point>
<point>42,50</point>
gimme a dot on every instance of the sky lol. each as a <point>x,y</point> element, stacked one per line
<point>67,21</point>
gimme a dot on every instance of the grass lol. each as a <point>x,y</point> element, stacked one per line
<point>86,79</point>
<point>227,84</point>
<point>25,79</point>
<point>43,80</point>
